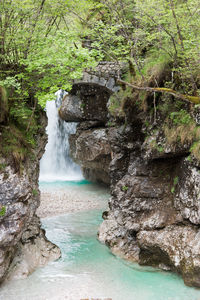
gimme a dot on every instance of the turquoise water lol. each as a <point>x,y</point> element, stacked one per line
<point>64,184</point>
<point>88,270</point>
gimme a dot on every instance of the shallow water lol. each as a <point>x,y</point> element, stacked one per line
<point>87,269</point>
<point>71,196</point>
<point>81,185</point>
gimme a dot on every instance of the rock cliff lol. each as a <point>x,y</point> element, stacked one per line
<point>23,245</point>
<point>149,154</point>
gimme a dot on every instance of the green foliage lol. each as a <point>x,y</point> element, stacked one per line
<point>16,145</point>
<point>2,166</point>
<point>183,133</point>
<point>175,182</point>
<point>181,128</point>
<point>11,82</point>
<point>181,117</point>
<point>82,105</point>
<point>40,47</point>
<point>125,188</point>
<point>189,158</point>
<point>20,111</point>
<point>160,149</point>
<point>195,149</point>
<point>35,192</point>
<point>44,45</point>
<point>110,124</point>
<point>40,52</point>
<point>173,190</point>
<point>3,105</point>
<point>115,106</point>
<point>176,35</point>
<point>2,211</point>
<point>111,28</point>
<point>155,146</point>
<point>155,64</point>
<point>153,35</point>
<point>117,101</point>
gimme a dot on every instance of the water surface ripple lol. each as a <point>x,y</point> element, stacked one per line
<point>87,269</point>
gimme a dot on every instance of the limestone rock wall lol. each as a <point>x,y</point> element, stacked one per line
<point>154,208</point>
<point>91,149</point>
<point>23,245</point>
<point>152,219</point>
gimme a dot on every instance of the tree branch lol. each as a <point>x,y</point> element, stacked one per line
<point>188,98</point>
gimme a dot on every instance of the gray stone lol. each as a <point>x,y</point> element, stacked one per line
<point>91,149</point>
<point>23,245</point>
<point>154,208</point>
<point>86,102</point>
<point>178,247</point>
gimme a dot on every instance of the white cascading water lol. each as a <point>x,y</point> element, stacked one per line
<point>56,164</point>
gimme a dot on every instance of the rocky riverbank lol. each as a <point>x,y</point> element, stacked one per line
<point>70,198</point>
<point>24,246</point>
<point>148,151</point>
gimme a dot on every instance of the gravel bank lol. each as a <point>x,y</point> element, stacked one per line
<point>71,199</point>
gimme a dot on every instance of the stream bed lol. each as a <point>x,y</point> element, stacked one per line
<point>87,269</point>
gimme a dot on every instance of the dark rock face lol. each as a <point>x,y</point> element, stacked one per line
<point>175,248</point>
<point>154,209</point>
<point>23,245</point>
<point>89,96</point>
<point>85,102</point>
<point>91,149</point>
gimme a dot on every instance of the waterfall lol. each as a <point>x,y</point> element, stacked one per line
<point>56,165</point>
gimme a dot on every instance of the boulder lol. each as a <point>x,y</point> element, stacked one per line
<point>91,149</point>
<point>175,248</point>
<point>86,102</point>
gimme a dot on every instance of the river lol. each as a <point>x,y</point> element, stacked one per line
<point>87,269</point>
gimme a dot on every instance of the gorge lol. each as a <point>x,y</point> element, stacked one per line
<point>82,272</point>
<point>104,201</point>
